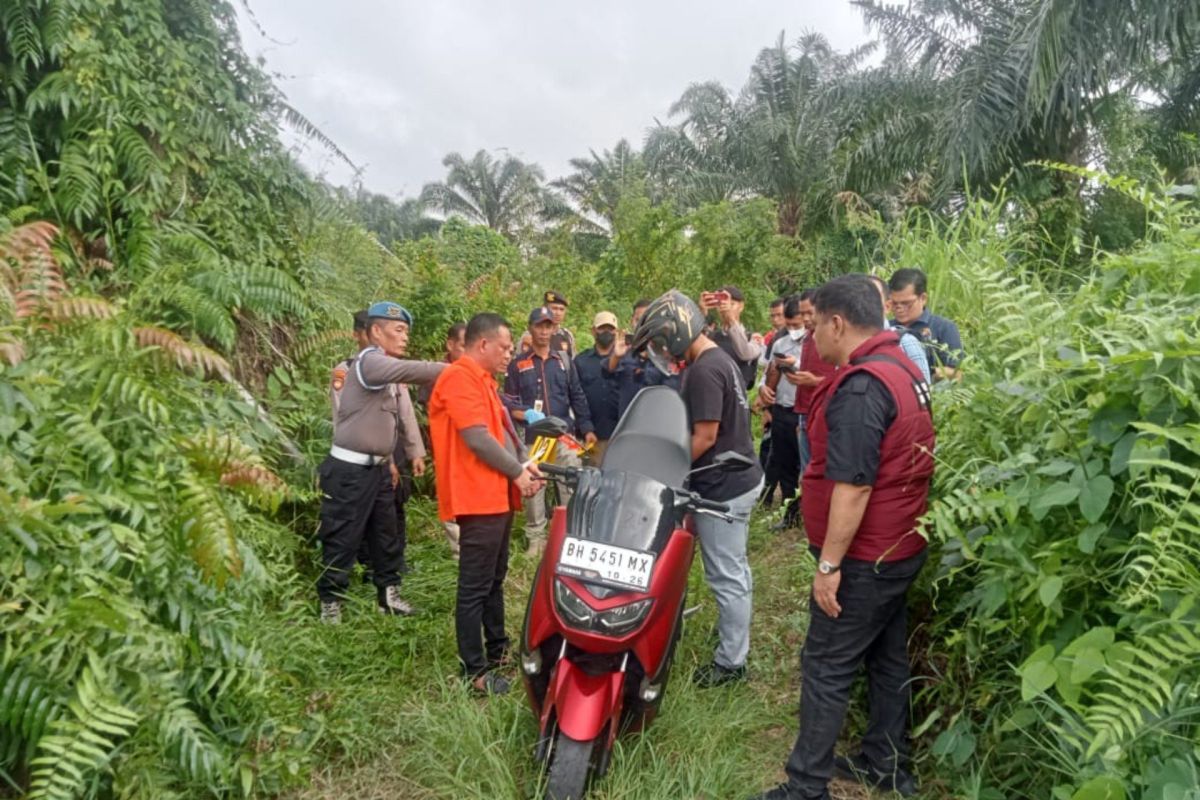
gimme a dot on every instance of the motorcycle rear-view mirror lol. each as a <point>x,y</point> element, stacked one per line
<point>550,427</point>
<point>731,461</point>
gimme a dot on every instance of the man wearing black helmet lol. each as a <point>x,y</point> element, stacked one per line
<point>714,392</point>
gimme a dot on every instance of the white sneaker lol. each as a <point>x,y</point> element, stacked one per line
<point>393,603</point>
<point>331,612</point>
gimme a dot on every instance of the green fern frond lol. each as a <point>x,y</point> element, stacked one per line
<point>90,441</point>
<point>119,388</point>
<point>22,34</point>
<point>82,745</point>
<point>185,738</point>
<point>319,343</point>
<point>301,123</point>
<point>140,162</point>
<point>203,314</point>
<point>209,531</point>
<point>78,186</point>
<point>1138,690</point>
<point>27,707</point>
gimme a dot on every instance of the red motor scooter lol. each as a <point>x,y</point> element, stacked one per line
<point>606,608</point>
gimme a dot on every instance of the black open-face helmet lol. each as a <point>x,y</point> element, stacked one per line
<point>668,327</point>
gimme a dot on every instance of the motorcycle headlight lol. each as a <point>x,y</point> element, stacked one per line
<point>622,619</point>
<point>571,606</point>
<point>611,622</point>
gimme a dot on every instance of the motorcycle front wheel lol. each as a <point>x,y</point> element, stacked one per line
<point>570,764</point>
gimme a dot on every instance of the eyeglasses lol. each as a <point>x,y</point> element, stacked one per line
<point>905,305</point>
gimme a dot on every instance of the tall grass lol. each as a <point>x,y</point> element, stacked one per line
<point>398,721</point>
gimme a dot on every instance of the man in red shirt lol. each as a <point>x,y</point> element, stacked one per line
<point>481,473</point>
<point>813,371</point>
<point>865,489</point>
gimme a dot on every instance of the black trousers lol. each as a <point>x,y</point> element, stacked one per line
<point>358,504</point>
<point>770,480</point>
<point>872,628</point>
<point>482,565</point>
<point>402,493</point>
<point>785,451</point>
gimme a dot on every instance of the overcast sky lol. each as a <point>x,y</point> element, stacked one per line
<point>398,84</point>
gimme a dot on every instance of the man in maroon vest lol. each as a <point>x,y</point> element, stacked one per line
<point>866,486</point>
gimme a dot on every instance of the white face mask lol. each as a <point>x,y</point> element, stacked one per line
<point>796,333</point>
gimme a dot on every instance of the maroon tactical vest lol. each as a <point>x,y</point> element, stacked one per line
<point>901,491</point>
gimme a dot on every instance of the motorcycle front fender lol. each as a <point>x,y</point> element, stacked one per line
<point>583,704</point>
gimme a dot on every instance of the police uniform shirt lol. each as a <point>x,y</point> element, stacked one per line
<point>367,409</point>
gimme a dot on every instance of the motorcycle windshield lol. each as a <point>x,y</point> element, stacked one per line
<point>623,509</point>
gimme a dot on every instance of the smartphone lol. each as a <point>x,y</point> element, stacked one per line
<point>537,406</point>
<point>722,296</point>
<point>629,340</point>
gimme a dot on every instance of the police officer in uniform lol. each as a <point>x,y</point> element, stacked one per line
<point>544,377</point>
<point>562,340</point>
<point>358,493</point>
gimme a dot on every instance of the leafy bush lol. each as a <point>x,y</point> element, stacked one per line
<point>1063,650</point>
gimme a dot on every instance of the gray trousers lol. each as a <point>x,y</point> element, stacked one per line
<point>536,517</point>
<point>723,551</point>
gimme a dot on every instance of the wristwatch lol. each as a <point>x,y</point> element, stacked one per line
<point>825,568</point>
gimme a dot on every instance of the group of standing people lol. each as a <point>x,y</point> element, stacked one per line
<point>848,398</point>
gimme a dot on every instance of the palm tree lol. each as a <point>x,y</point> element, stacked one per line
<point>775,139</point>
<point>504,195</point>
<point>790,128</point>
<point>600,181</point>
<point>695,161</point>
<point>1023,79</point>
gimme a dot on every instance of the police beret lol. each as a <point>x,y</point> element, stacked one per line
<point>386,310</point>
<point>554,297</point>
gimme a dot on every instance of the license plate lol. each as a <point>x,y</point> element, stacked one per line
<point>605,563</point>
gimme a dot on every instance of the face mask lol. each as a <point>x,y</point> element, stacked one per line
<point>796,333</point>
<point>605,338</point>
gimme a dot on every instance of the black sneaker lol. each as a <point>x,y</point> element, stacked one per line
<point>713,674</point>
<point>857,768</point>
<point>489,684</point>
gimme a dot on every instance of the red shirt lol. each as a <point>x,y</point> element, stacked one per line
<point>811,361</point>
<point>466,396</point>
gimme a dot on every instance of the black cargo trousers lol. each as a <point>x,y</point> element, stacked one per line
<point>358,503</point>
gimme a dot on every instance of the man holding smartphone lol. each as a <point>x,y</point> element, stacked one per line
<point>781,394</point>
<point>730,335</point>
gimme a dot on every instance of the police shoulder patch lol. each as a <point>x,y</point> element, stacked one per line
<point>338,378</point>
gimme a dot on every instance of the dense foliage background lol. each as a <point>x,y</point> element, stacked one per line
<point>173,287</point>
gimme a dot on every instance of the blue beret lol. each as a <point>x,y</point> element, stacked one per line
<point>386,310</point>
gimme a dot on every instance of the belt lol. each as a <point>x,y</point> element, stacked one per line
<point>354,457</point>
